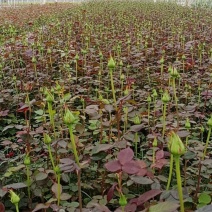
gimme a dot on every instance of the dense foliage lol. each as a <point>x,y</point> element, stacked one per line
<point>106,106</point>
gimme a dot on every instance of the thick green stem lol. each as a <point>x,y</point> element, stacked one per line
<point>207,142</point>
<point>179,182</point>
<point>73,144</point>
<point>51,157</point>
<point>164,119</point>
<point>28,180</point>
<point>170,172</point>
<point>51,117</point>
<point>175,97</point>
<point>16,207</point>
<point>112,86</point>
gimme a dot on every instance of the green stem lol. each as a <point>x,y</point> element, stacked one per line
<point>28,180</point>
<point>207,142</point>
<point>58,189</point>
<point>183,66</point>
<point>170,172</point>
<point>175,97</point>
<point>164,119</point>
<point>198,97</point>
<point>35,69</point>
<point>51,157</point>
<point>136,144</point>
<point>148,113</point>
<point>122,85</point>
<point>73,144</point>
<point>179,182</point>
<point>51,117</point>
<point>112,86</point>
<point>153,155</point>
<point>16,207</point>
<point>186,141</point>
<point>79,189</point>
<point>76,69</point>
<point>154,100</point>
<point>161,69</point>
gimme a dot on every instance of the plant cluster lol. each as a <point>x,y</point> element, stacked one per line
<point>106,106</point>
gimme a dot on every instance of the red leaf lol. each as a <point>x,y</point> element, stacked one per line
<point>150,174</point>
<point>147,196</point>
<point>131,167</point>
<point>2,208</point>
<point>113,166</point>
<point>159,154</point>
<point>131,207</point>
<point>111,192</point>
<point>142,172</point>
<point>24,108</point>
<point>141,164</point>
<point>160,164</point>
<point>125,155</point>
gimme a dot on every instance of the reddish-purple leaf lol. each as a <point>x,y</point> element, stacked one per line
<point>159,164</point>
<point>141,164</point>
<point>125,155</point>
<point>150,174</point>
<point>24,108</point>
<point>2,208</point>
<point>136,128</point>
<point>131,167</point>
<point>159,154</point>
<point>111,192</point>
<point>99,207</point>
<point>113,166</point>
<point>131,207</point>
<point>41,206</point>
<point>4,113</point>
<point>147,196</point>
<point>183,134</point>
<point>142,172</point>
<point>101,148</point>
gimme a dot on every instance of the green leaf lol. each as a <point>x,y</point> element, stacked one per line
<point>39,112</point>
<point>164,207</point>
<point>67,96</point>
<point>65,196</point>
<point>204,198</point>
<point>101,147</point>
<point>207,208</point>
<point>141,180</point>
<point>41,176</point>
<point>57,189</point>
<point>74,204</point>
<point>200,205</point>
